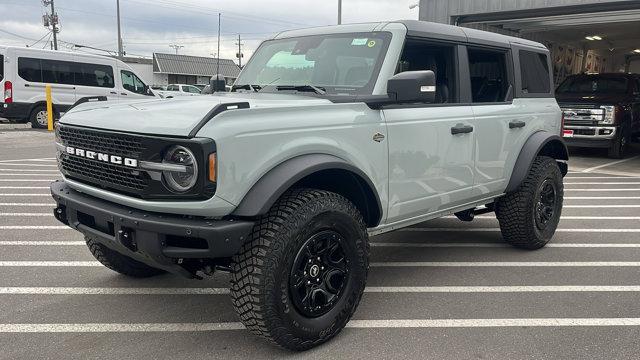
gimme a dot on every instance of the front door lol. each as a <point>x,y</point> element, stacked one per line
<point>430,159</point>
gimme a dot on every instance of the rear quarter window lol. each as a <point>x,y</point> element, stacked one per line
<point>534,73</point>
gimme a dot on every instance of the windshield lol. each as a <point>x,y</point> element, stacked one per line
<point>594,85</point>
<point>336,64</point>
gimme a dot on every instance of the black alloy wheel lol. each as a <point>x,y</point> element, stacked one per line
<point>318,274</point>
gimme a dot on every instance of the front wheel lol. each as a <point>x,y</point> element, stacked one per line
<point>38,117</point>
<point>299,279</point>
<point>529,216</point>
<point>619,147</point>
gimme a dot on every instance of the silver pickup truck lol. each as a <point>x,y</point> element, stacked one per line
<point>329,136</point>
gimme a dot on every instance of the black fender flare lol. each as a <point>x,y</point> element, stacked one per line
<point>282,177</point>
<point>539,143</point>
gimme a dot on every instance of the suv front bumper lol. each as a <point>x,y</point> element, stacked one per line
<point>163,241</point>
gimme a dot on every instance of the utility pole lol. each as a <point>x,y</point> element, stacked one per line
<point>339,12</point>
<point>239,55</point>
<point>219,22</point>
<point>176,47</point>
<point>120,49</point>
<point>53,21</point>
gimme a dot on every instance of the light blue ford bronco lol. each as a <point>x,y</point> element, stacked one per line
<point>329,135</point>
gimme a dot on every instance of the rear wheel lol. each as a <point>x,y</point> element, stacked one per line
<point>38,117</point>
<point>299,279</point>
<point>529,216</point>
<point>120,263</point>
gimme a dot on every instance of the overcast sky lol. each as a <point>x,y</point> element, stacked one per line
<point>151,25</point>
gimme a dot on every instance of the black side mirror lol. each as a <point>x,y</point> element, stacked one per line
<point>217,83</point>
<point>412,87</point>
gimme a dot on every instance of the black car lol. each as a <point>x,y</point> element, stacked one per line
<point>600,110</point>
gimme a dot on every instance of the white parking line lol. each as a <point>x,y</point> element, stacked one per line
<point>33,227</point>
<point>603,190</point>
<point>28,204</point>
<point>354,324</point>
<point>599,206</point>
<point>482,323</point>
<point>26,180</point>
<point>602,177</point>
<point>41,194</point>
<point>602,183</point>
<point>418,229</point>
<point>494,245</point>
<point>591,169</point>
<point>28,160</point>
<point>50,264</point>
<point>369,289</point>
<point>497,289</point>
<point>505,264</point>
<point>602,197</point>
<point>24,187</point>
<point>26,214</point>
<point>30,165</point>
<point>41,243</point>
<point>111,291</point>
<point>45,171</point>
<point>493,217</point>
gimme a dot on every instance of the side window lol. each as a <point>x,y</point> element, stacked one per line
<point>94,75</point>
<point>57,72</point>
<point>172,88</point>
<point>489,79</point>
<point>191,89</point>
<point>422,55</point>
<point>1,67</point>
<point>534,72</point>
<point>29,69</point>
<point>132,83</point>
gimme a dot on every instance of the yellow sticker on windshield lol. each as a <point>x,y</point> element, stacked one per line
<point>371,43</point>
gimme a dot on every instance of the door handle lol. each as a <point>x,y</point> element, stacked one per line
<point>516,124</point>
<point>113,92</point>
<point>123,93</point>
<point>461,129</point>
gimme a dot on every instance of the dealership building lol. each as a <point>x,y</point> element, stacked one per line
<point>582,35</point>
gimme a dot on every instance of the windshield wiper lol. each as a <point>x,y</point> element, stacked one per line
<point>254,88</point>
<point>316,89</point>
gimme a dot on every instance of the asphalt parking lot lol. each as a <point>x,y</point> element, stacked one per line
<point>440,290</point>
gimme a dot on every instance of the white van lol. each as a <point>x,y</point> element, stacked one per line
<point>24,72</point>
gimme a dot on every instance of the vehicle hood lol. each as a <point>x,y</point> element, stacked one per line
<point>597,99</point>
<point>174,117</point>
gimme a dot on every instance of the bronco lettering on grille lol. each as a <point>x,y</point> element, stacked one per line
<point>113,159</point>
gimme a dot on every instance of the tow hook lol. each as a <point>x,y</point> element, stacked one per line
<point>126,238</point>
<point>60,213</point>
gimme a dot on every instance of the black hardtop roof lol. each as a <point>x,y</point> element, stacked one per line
<point>465,35</point>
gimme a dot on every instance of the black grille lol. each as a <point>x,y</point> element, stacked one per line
<point>101,173</point>
<point>110,143</point>
<point>104,174</point>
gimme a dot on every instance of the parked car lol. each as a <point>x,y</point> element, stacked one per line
<point>601,110</point>
<point>201,86</point>
<point>182,90</point>
<point>25,72</point>
<point>330,135</point>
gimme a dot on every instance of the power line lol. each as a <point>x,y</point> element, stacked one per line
<point>37,41</point>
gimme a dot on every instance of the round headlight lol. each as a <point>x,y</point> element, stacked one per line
<point>185,174</point>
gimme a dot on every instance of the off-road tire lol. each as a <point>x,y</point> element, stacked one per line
<point>516,211</point>
<point>260,271</point>
<point>120,263</point>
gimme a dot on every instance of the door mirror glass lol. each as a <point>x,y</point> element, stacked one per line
<point>412,87</point>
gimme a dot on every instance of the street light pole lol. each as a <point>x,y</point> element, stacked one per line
<point>120,50</point>
<point>339,12</point>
